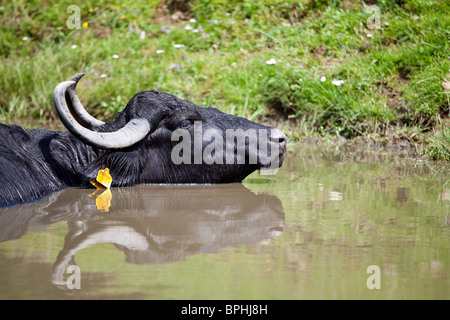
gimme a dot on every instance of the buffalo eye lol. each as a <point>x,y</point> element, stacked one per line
<point>185,124</point>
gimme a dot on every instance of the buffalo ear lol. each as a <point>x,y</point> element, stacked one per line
<point>124,167</point>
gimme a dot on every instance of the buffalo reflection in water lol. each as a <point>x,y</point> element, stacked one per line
<point>151,224</point>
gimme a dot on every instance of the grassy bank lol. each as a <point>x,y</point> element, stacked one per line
<point>328,68</point>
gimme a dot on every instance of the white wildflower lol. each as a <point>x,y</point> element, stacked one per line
<point>103,75</point>
<point>115,56</point>
<point>337,82</point>
<point>74,46</point>
<point>188,27</point>
<point>25,38</point>
<point>271,61</point>
<point>323,79</point>
<point>369,35</point>
<point>178,45</point>
<point>192,21</point>
<point>159,51</point>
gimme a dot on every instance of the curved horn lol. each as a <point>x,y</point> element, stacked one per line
<point>83,117</point>
<point>134,131</point>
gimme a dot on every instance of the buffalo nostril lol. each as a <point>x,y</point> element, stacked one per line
<point>277,136</point>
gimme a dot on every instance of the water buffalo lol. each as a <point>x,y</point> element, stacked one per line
<point>137,147</point>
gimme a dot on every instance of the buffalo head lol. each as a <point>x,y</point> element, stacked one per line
<point>159,138</point>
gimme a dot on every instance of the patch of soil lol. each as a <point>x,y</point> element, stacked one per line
<point>278,110</point>
<point>102,32</point>
<point>172,12</point>
<point>394,94</point>
<point>320,50</point>
<point>392,145</point>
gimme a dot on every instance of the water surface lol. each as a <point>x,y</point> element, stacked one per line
<point>309,232</point>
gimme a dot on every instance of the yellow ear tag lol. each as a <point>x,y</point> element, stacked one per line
<point>103,180</point>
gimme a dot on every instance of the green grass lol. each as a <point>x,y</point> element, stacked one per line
<point>392,76</point>
<point>439,144</point>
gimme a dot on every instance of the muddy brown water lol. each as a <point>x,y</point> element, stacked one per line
<point>333,223</point>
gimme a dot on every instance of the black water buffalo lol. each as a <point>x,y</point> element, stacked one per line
<point>137,147</point>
